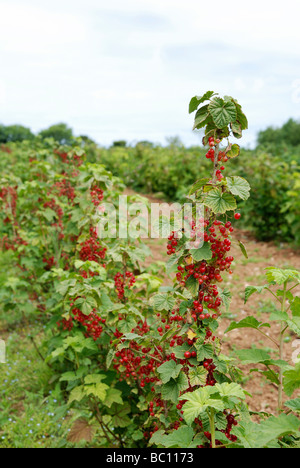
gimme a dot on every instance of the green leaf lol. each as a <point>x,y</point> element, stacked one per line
<point>119,413</point>
<point>279,426</point>
<point>163,302</point>
<point>156,438</point>
<point>192,285</point>
<point>238,186</point>
<point>172,389</point>
<point>280,276</point>
<point>182,438</point>
<point>252,356</point>
<point>98,390</point>
<point>169,370</point>
<point>197,375</point>
<point>219,202</point>
<point>199,401</point>
<point>203,253</point>
<point>196,100</point>
<point>294,405</point>
<point>204,351</point>
<point>86,304</point>
<point>253,289</point>
<point>127,324</point>
<point>113,395</point>
<point>253,435</point>
<point>241,118</point>
<point>201,116</point>
<point>243,249</point>
<point>248,322</point>
<point>223,112</point>
<point>295,307</point>
<point>236,129</point>
<point>230,390</point>
<point>225,296</point>
<point>291,380</point>
<point>77,394</point>
<point>232,151</point>
<point>198,185</point>
<point>109,357</point>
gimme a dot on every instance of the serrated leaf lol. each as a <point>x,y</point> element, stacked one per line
<point>203,253</point>
<point>199,401</point>
<point>294,405</point>
<point>197,375</point>
<point>98,390</point>
<point>238,186</point>
<point>279,426</point>
<point>109,357</point>
<point>201,116</point>
<point>220,202</point>
<point>181,438</point>
<point>163,302</point>
<point>198,185</point>
<point>192,285</point>
<point>252,356</point>
<point>223,112</point>
<point>291,380</point>
<point>81,430</point>
<point>169,370</point>
<point>196,100</point>
<point>248,322</point>
<point>249,290</point>
<point>280,276</point>
<point>204,351</point>
<point>295,307</point>
<point>77,394</point>
<point>172,389</point>
<point>233,150</point>
<point>230,389</point>
<point>119,415</point>
<point>113,395</point>
<point>236,129</point>
<point>225,296</point>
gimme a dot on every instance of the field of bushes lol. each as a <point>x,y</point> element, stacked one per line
<point>101,349</point>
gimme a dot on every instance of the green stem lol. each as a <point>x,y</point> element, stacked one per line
<point>211,416</point>
<point>283,328</point>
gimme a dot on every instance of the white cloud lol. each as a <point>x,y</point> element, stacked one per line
<point>29,29</point>
<point>112,69</point>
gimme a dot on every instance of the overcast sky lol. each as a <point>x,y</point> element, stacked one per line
<point>126,69</point>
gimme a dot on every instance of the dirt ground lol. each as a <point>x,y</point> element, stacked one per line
<point>249,272</point>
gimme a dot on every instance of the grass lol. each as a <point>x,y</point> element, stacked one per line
<point>31,415</point>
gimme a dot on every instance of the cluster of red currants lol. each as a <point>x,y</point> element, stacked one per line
<point>91,249</point>
<point>136,363</point>
<point>122,281</point>
<point>92,322</point>
<point>66,190</point>
<point>9,197</point>
<point>97,196</point>
<point>50,262</point>
<point>172,243</point>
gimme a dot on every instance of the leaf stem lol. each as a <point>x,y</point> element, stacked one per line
<point>211,416</point>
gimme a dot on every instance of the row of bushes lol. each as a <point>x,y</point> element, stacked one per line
<point>273,211</point>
